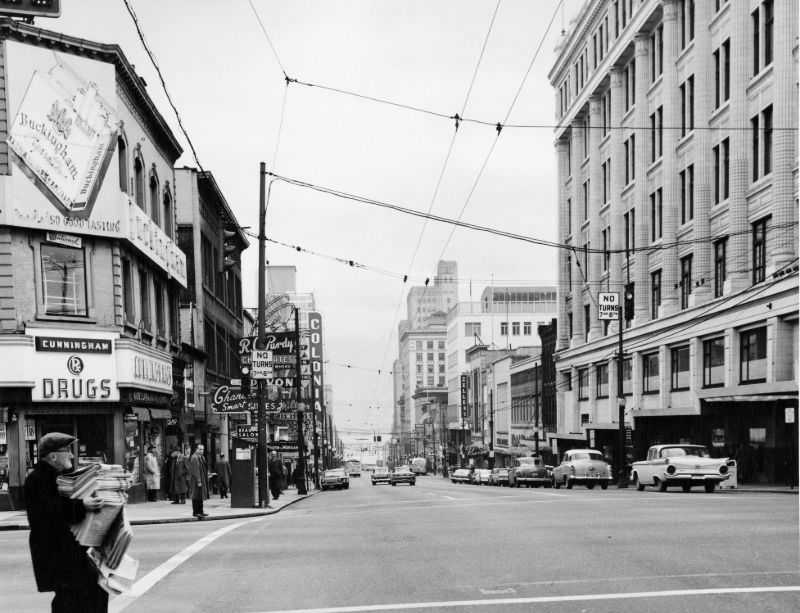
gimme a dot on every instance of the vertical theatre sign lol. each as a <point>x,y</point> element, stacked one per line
<point>315,348</point>
<point>464,395</point>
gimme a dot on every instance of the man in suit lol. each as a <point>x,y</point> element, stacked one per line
<point>198,481</point>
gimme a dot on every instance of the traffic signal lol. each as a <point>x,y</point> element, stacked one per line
<point>378,438</point>
<point>229,246</point>
<point>30,8</point>
<point>629,295</point>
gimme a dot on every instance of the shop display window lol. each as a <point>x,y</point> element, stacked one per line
<point>133,450</point>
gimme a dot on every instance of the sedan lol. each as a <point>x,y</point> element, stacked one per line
<point>403,474</point>
<point>481,476</point>
<point>529,471</point>
<point>335,478</point>
<point>499,476</point>
<point>381,475</point>
<point>585,466</point>
<point>460,475</point>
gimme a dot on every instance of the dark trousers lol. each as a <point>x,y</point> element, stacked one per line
<point>197,507</point>
<point>89,598</point>
<point>223,490</point>
<point>152,495</point>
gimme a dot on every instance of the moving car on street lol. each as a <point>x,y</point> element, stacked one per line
<point>499,476</point>
<point>418,466</point>
<point>381,474</point>
<point>353,468</point>
<point>460,475</point>
<point>481,476</point>
<point>335,478</point>
<point>585,466</point>
<point>403,474</point>
<point>528,471</point>
<point>679,465</point>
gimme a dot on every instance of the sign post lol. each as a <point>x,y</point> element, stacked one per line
<point>609,308</point>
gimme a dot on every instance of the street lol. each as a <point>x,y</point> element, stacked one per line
<point>445,547</point>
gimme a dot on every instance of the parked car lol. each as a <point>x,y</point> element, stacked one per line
<point>381,474</point>
<point>335,478</point>
<point>460,475</point>
<point>480,476</point>
<point>499,476</point>
<point>679,465</point>
<point>529,471</point>
<point>403,474</point>
<point>585,466</point>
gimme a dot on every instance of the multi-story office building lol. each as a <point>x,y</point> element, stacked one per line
<point>212,317</point>
<point>89,264</point>
<point>677,178</point>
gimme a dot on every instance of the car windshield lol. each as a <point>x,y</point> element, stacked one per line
<point>588,455</point>
<point>693,450</point>
<point>401,469</point>
<point>528,461</point>
<point>381,471</point>
<point>461,471</point>
<point>335,472</point>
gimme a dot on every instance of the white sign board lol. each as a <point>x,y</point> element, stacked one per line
<point>608,305</point>
<point>261,364</point>
<point>788,414</point>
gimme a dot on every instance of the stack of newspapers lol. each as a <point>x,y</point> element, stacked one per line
<point>106,531</point>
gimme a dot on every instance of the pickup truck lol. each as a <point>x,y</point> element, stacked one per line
<point>529,471</point>
<point>679,465</point>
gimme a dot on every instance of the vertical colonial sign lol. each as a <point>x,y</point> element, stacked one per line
<point>315,347</point>
<point>74,366</point>
<point>61,139</point>
<point>464,396</point>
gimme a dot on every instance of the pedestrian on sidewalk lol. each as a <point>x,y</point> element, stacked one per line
<point>198,475</point>
<point>152,474</point>
<point>60,563</point>
<point>275,469</point>
<point>179,476</point>
<point>223,475</point>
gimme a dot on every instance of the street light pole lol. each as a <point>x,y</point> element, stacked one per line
<point>622,477</point>
<point>261,460</point>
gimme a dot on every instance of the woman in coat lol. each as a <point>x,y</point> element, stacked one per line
<point>152,474</point>
<point>179,477</point>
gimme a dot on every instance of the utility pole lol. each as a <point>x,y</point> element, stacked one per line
<point>491,429</point>
<point>261,460</point>
<point>622,478</point>
<point>301,447</point>
<point>314,427</point>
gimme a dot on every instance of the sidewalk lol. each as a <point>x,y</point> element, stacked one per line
<point>164,512</point>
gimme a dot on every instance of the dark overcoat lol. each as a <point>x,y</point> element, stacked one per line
<point>180,474</point>
<point>198,473</point>
<point>56,555</point>
<point>224,472</point>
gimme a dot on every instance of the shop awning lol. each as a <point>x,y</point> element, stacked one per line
<point>141,414</point>
<point>160,414</point>
<point>753,398</point>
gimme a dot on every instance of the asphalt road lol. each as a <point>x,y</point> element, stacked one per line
<point>444,548</point>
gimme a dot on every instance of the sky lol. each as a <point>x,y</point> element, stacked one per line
<point>224,65</point>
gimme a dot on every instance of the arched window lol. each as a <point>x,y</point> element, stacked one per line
<point>156,211</point>
<point>168,212</point>
<point>138,182</point>
<point>122,160</point>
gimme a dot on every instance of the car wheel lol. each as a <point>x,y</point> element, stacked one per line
<point>556,483</point>
<point>686,487</point>
<point>413,483</point>
<point>568,483</point>
<point>394,484</point>
<point>590,486</point>
<point>709,487</point>
<point>639,484</point>
<point>662,485</point>
<point>604,486</point>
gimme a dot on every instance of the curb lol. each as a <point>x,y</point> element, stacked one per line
<point>183,520</point>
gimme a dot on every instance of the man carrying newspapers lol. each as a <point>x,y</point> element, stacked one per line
<point>60,563</point>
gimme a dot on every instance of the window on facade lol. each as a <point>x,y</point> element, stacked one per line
<point>64,280</point>
<point>657,134</point>
<point>721,171</point>
<point>686,280</point>
<point>656,214</point>
<point>503,328</point>
<point>753,356</point>
<point>515,328</point>
<point>680,368</point>
<point>429,344</point>
<point>472,329</point>
<point>722,73</point>
<point>720,273</point>
<point>601,374</point>
<point>570,325</point>
<point>138,183</point>
<point>583,384</point>
<point>714,362</point>
<point>440,345</point>
<point>766,120</point>
<point>144,298</point>
<point>759,250</point>
<point>629,85</point>
<point>526,328</point>
<point>650,373</point>
<point>156,213</point>
<point>687,106</point>
<point>657,52</point>
<point>585,200</point>
<point>207,254</point>
<point>174,316</point>
<point>686,22</point>
<point>122,162</point>
<point>161,322</point>
<point>655,293</point>
<point>127,291</point>
<point>769,26</point>
<point>418,345</point>
<point>419,357</point>
<point>168,213</point>
<point>419,369</point>
<point>687,194</point>
<point>630,158</point>
<point>586,321</point>
<point>630,231</point>
<point>430,357</point>
<point>441,357</point>
<point>627,377</point>
<point>606,236</point>
<point>430,368</point>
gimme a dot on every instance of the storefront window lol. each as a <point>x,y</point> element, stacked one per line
<point>3,457</point>
<point>133,450</point>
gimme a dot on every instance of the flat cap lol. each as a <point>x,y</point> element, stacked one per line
<point>53,442</point>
